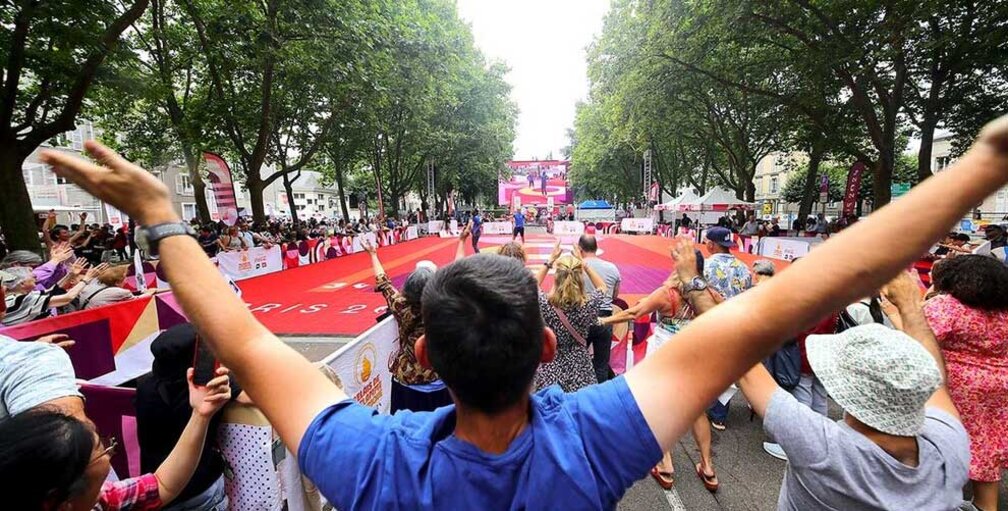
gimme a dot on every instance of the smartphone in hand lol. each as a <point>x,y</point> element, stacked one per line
<point>205,364</point>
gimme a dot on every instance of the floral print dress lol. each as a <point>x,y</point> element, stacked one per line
<point>572,368</point>
<point>974,343</point>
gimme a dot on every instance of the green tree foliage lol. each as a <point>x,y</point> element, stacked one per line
<point>717,84</point>
<point>53,54</point>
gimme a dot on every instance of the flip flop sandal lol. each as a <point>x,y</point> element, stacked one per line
<point>709,482</point>
<point>665,479</point>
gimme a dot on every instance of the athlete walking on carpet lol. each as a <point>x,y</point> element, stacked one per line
<point>519,225</point>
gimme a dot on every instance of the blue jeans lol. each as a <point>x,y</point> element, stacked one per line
<point>212,499</point>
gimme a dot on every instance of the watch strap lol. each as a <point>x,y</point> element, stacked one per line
<point>156,233</point>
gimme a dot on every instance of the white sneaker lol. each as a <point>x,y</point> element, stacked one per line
<point>774,450</point>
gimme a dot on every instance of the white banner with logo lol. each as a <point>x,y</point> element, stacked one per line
<point>115,217</point>
<point>243,264</point>
<point>371,238</point>
<point>435,226</point>
<point>784,248</point>
<point>568,228</point>
<point>361,368</point>
<point>496,227</point>
<point>637,225</point>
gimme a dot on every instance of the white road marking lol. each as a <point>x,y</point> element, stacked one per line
<point>675,503</point>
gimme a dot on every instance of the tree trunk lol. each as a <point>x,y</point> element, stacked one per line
<point>882,178</point>
<point>750,191</point>
<point>192,162</point>
<point>342,194</point>
<point>255,187</point>
<point>809,190</point>
<point>17,219</point>
<point>927,128</point>
<point>290,197</point>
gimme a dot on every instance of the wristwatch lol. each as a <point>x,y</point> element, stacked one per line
<point>147,238</point>
<point>695,284</point>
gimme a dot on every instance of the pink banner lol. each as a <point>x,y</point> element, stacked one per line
<point>850,199</point>
<point>223,187</point>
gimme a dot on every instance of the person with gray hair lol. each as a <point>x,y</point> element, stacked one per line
<point>762,270</point>
<point>48,274</point>
<point>25,303</point>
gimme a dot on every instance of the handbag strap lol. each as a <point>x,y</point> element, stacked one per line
<point>570,328</point>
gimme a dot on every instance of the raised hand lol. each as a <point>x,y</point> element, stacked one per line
<point>78,267</point>
<point>60,253</point>
<point>556,252</point>
<point>995,134</point>
<point>116,181</point>
<point>684,255</point>
<point>368,246</point>
<point>206,400</point>
<point>62,340</point>
<point>96,271</point>
<point>903,291</point>
<point>466,231</point>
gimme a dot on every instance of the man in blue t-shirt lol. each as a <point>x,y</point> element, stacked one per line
<point>519,225</point>
<point>501,446</point>
<point>476,229</point>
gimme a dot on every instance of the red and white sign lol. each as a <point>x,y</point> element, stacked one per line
<point>243,264</point>
<point>223,188</point>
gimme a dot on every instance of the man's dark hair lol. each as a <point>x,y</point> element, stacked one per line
<point>961,237</point>
<point>54,233</point>
<point>43,453</point>
<point>484,330</point>
<point>588,243</point>
<point>975,280</point>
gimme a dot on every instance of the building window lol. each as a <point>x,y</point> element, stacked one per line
<point>773,184</point>
<point>183,184</point>
<point>942,162</point>
<point>298,196</point>
<point>300,207</point>
<point>188,210</point>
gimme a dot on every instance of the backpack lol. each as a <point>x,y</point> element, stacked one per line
<point>784,365</point>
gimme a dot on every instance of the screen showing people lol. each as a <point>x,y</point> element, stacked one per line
<point>535,182</point>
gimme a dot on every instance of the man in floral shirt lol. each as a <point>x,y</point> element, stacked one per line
<point>729,277</point>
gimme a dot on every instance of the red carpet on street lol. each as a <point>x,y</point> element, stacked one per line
<point>337,297</point>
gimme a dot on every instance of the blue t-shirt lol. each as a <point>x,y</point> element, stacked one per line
<point>579,451</point>
<point>519,220</point>
<point>477,225</point>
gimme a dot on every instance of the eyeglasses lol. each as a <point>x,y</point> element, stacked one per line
<point>111,444</point>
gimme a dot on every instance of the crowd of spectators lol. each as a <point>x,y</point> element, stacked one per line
<point>530,425</point>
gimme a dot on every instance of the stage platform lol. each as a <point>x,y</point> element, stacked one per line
<point>337,297</point>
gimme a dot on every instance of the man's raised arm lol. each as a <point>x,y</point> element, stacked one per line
<point>287,387</point>
<point>675,384</point>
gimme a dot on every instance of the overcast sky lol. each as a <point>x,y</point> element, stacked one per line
<point>543,42</point>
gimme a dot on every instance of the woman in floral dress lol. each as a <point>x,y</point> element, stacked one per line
<point>569,312</point>
<point>969,316</point>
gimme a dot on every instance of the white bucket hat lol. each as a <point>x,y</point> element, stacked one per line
<point>880,376</point>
